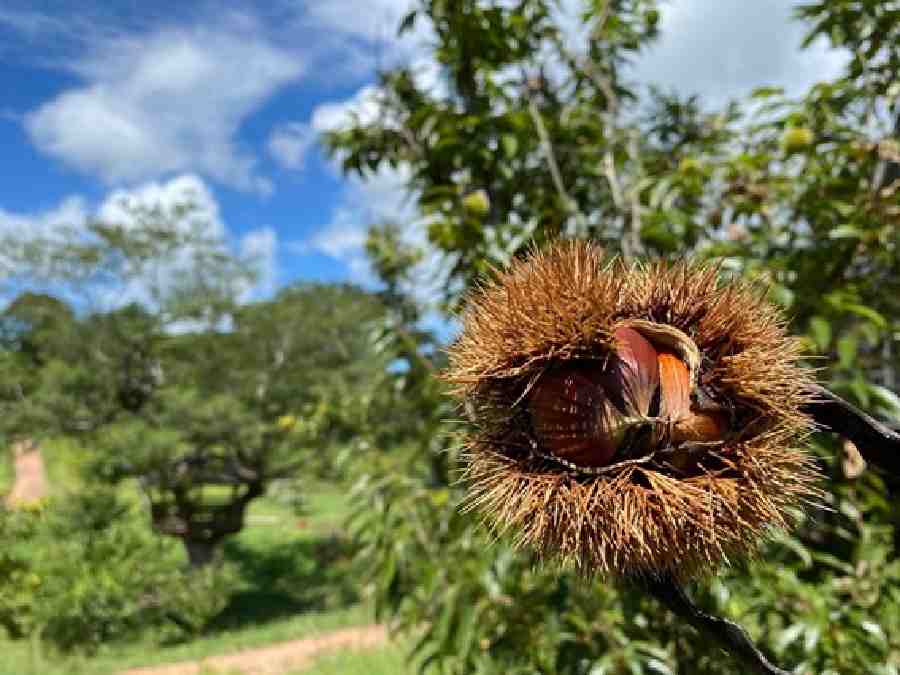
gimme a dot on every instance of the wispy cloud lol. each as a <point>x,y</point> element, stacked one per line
<point>289,143</point>
<point>167,201</point>
<point>722,50</point>
<point>383,198</point>
<point>166,102</point>
<point>164,92</point>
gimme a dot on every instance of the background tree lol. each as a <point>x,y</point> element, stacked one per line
<point>203,400</point>
<point>536,135</point>
<point>82,569</point>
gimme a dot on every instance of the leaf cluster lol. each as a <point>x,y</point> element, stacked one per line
<point>539,137</point>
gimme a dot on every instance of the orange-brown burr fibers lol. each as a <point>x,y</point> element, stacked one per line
<point>552,360</point>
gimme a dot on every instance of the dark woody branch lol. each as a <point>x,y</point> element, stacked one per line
<point>728,634</point>
<point>878,444</point>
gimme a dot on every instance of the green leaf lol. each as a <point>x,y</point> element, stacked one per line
<point>820,330</point>
<point>867,312</point>
<point>875,630</point>
<point>766,92</point>
<point>846,349</point>
<point>788,636</point>
<point>845,232</point>
<point>510,145</point>
<point>408,22</point>
<point>782,295</point>
<point>886,399</point>
<point>833,562</point>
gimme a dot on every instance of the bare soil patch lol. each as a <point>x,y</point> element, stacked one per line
<point>30,484</point>
<point>274,659</point>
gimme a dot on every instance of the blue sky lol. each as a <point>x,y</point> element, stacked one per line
<point>152,102</point>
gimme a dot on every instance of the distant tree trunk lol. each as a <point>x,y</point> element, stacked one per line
<point>200,552</point>
<point>201,527</point>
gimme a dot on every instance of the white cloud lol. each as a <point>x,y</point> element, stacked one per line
<point>377,21</point>
<point>364,35</point>
<point>261,247</point>
<point>365,106</point>
<point>381,198</point>
<point>169,200</point>
<point>30,23</point>
<point>71,211</point>
<point>362,108</point>
<point>166,102</point>
<point>164,202</point>
<point>289,143</point>
<point>172,99</point>
<point>724,49</point>
<point>343,238</point>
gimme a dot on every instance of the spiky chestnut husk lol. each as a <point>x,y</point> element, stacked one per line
<point>667,503</point>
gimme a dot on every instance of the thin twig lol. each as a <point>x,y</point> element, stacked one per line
<point>615,189</point>
<point>549,155</point>
<point>602,18</point>
<point>552,165</point>
<point>634,233</point>
<point>609,170</point>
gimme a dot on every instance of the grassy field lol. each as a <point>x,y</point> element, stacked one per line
<point>295,582</point>
<point>6,472</point>
<point>387,660</point>
<point>22,658</point>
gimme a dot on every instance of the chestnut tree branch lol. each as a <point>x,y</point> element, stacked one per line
<point>729,635</point>
<point>877,443</point>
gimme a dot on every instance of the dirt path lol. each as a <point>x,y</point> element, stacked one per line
<point>274,659</point>
<point>31,478</point>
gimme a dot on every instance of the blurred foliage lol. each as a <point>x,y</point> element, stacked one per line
<point>84,569</point>
<point>532,134</point>
<point>202,396</point>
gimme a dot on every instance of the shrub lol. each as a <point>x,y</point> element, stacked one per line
<point>85,569</point>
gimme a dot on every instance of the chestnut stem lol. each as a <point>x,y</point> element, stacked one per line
<point>877,443</point>
<point>728,634</point>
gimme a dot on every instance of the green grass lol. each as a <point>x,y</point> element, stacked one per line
<point>389,659</point>
<point>19,658</point>
<point>64,460</point>
<point>291,563</point>
<point>22,658</point>
<point>6,471</point>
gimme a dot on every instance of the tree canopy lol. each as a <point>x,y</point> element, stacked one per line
<point>200,396</point>
<point>536,133</point>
